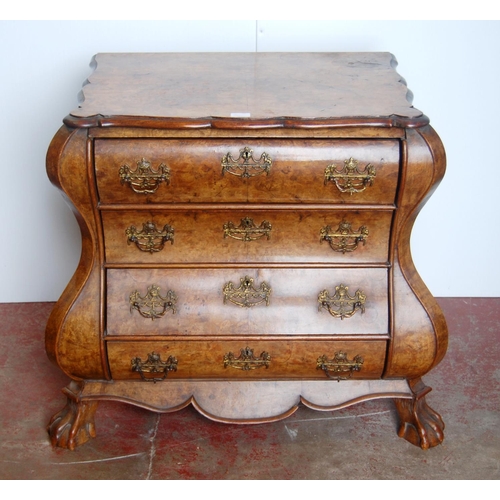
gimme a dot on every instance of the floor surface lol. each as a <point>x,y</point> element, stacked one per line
<point>359,442</point>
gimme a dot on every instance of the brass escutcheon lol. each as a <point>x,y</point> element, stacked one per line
<point>154,365</point>
<point>344,239</point>
<point>150,239</point>
<point>144,180</point>
<point>247,230</point>
<point>153,305</point>
<point>247,360</point>
<point>246,295</point>
<point>350,179</point>
<point>245,165</point>
<point>341,304</point>
<point>339,365</point>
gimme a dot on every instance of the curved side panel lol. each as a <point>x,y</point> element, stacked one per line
<point>72,337</point>
<point>420,335</point>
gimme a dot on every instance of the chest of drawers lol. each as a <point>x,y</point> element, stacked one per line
<point>245,226</point>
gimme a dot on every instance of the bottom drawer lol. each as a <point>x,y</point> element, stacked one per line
<point>240,359</point>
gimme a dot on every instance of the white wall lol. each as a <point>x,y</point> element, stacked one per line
<point>452,68</point>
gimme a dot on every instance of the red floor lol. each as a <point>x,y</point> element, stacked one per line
<point>359,442</point>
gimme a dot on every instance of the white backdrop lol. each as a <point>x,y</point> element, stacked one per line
<point>452,67</point>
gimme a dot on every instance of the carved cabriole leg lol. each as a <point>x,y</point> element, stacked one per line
<point>419,423</point>
<point>74,424</point>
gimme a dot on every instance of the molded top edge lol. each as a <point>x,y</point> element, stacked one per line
<point>245,90</point>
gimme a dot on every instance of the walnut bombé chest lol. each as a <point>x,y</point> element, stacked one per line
<point>245,225</point>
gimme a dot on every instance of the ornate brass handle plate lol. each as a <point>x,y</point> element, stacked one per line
<point>144,180</point>
<point>247,230</point>
<point>350,179</point>
<point>153,305</point>
<point>246,295</point>
<point>150,239</point>
<point>154,365</point>
<point>344,239</point>
<point>341,304</point>
<point>247,360</point>
<point>245,165</point>
<point>339,368</point>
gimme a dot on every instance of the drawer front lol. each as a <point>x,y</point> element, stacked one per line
<point>246,235</point>
<point>246,301</point>
<point>246,359</point>
<point>278,171</point>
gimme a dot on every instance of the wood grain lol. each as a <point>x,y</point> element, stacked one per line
<point>242,402</point>
<point>73,333</point>
<point>272,89</point>
<point>293,306</point>
<point>296,176</point>
<point>205,359</point>
<point>199,235</point>
<point>420,332</point>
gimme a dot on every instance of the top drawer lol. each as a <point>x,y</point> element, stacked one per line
<point>246,170</point>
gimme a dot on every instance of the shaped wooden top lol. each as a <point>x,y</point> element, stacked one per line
<point>245,90</point>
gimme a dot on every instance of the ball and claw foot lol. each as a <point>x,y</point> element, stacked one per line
<point>74,424</point>
<point>419,423</point>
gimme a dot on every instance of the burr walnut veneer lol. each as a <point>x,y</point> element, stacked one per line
<point>245,226</point>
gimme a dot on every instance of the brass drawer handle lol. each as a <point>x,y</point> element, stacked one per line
<point>153,305</point>
<point>144,180</point>
<point>337,367</point>
<point>150,239</point>
<point>246,295</point>
<point>245,165</point>
<point>341,304</point>
<point>154,365</point>
<point>247,360</point>
<point>350,179</point>
<point>247,230</point>
<point>344,239</point>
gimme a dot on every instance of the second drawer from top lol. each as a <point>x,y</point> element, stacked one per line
<point>246,235</point>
